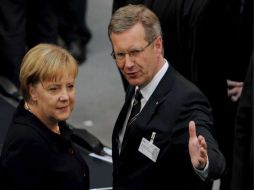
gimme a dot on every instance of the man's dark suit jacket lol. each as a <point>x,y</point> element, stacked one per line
<point>168,111</point>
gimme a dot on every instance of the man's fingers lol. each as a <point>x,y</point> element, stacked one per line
<point>202,142</point>
<point>192,129</point>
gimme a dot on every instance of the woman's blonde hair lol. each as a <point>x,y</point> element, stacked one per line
<point>45,62</point>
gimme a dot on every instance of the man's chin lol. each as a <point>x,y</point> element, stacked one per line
<point>134,82</point>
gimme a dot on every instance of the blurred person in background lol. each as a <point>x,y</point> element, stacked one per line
<point>23,24</point>
<point>73,29</point>
<point>242,168</point>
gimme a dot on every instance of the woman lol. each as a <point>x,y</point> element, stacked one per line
<point>38,152</point>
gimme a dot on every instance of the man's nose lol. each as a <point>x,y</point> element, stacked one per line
<point>128,61</point>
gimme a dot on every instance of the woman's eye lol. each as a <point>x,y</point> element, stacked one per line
<point>53,89</point>
<point>70,86</point>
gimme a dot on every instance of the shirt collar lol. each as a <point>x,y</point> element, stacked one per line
<point>147,90</point>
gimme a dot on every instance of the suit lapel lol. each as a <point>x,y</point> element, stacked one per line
<point>154,102</point>
<point>157,98</point>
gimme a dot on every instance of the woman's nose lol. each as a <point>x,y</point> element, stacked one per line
<point>64,95</point>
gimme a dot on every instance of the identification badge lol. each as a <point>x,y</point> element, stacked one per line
<point>149,149</point>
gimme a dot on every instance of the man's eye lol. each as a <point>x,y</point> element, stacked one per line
<point>134,52</point>
<point>120,55</point>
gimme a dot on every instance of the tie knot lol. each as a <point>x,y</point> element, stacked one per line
<point>138,95</point>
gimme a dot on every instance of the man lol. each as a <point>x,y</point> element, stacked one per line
<point>199,43</point>
<point>169,143</point>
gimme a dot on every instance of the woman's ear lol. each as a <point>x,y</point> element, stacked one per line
<point>33,92</point>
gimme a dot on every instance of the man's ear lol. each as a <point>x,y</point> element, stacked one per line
<point>33,92</point>
<point>158,44</point>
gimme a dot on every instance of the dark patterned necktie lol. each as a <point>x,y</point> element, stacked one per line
<point>136,106</point>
